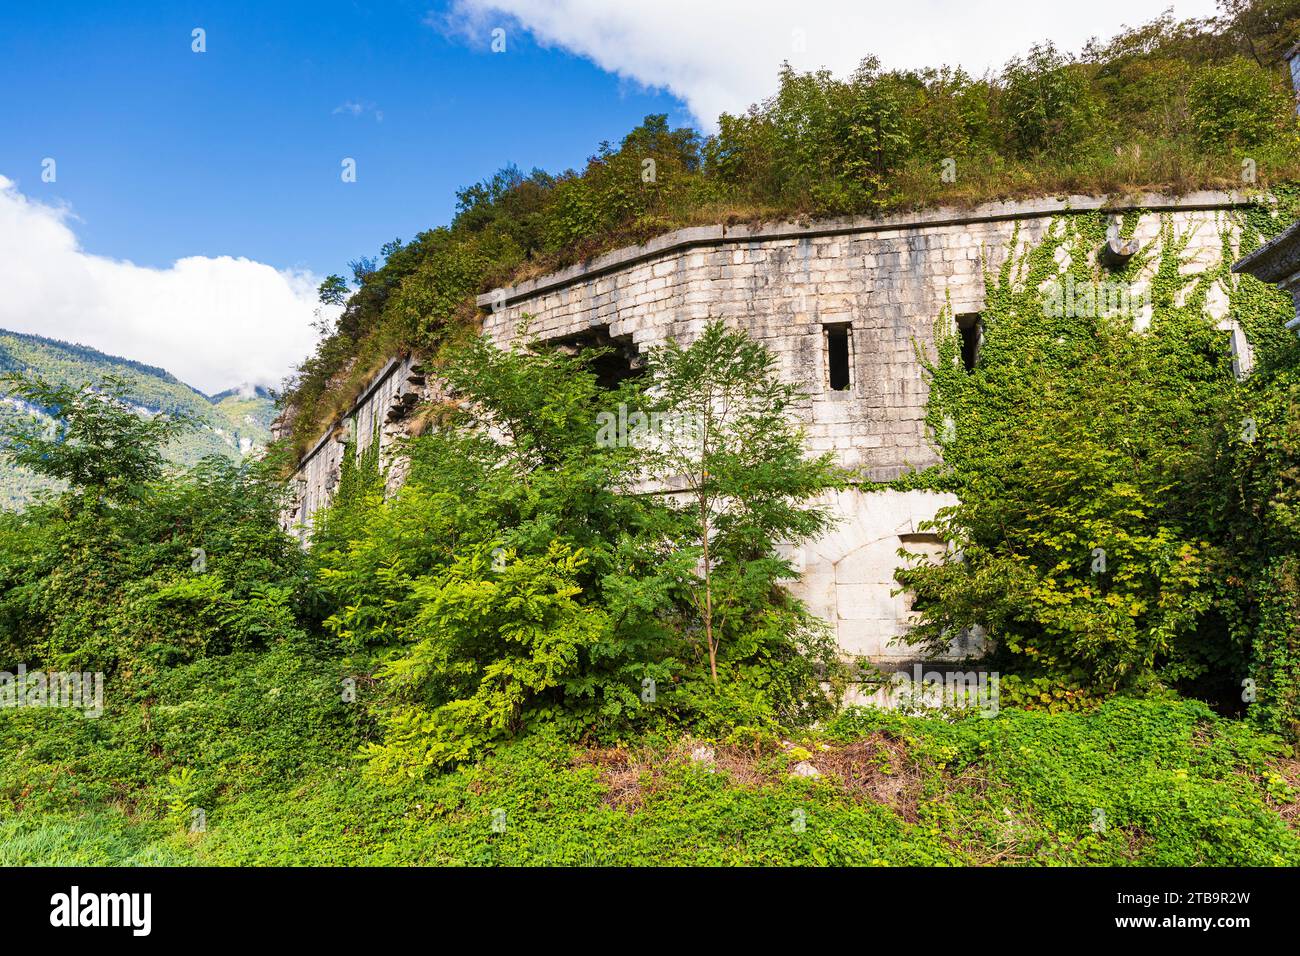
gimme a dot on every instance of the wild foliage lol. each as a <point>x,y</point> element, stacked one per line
<point>525,574</point>
<point>1124,499</point>
<point>1146,782</point>
<point>135,565</point>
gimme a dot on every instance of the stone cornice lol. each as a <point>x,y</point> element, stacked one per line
<point>704,236</point>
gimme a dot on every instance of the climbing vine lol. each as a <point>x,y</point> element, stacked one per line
<point>1257,518</point>
<point>1121,525</point>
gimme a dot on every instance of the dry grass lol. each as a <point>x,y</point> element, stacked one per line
<point>1289,810</point>
<point>338,397</point>
<point>621,774</point>
<point>877,768</point>
<point>1139,168</point>
<point>629,776</point>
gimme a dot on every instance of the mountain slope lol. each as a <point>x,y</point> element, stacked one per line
<point>232,423</point>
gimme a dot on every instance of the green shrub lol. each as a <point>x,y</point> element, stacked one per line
<point>1239,105</point>
<point>1072,443</point>
<point>1048,103</point>
<point>130,567</point>
<point>514,581</point>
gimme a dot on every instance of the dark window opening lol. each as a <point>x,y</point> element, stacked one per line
<point>837,357</point>
<point>618,358</point>
<point>971,328</point>
<point>927,546</point>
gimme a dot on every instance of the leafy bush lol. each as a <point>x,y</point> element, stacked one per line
<point>515,580</point>
<point>1238,105</point>
<point>1127,505</point>
<point>1073,443</point>
<point>131,567</point>
<point>1048,103</point>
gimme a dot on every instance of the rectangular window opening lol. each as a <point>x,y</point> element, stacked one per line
<point>971,327</point>
<point>838,352</point>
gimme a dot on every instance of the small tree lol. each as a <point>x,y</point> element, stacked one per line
<point>333,291</point>
<point>97,442</point>
<point>728,440</point>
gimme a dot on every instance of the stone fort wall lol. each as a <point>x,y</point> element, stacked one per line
<point>872,287</point>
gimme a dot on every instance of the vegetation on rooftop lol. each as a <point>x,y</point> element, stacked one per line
<point>1168,106</point>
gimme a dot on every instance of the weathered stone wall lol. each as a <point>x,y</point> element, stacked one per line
<point>784,284</point>
<point>887,280</point>
<point>376,416</point>
<point>1294,58</point>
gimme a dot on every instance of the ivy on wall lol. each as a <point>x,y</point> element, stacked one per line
<point>1126,502</point>
<point>1257,517</point>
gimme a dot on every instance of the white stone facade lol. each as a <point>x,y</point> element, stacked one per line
<point>1293,57</point>
<point>881,283</point>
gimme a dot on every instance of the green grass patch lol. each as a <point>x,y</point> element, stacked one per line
<point>1152,781</point>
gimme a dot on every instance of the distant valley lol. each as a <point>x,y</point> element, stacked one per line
<point>232,423</point>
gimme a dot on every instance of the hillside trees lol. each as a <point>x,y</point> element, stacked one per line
<point>96,443</point>
<point>1168,105</point>
<point>135,566</point>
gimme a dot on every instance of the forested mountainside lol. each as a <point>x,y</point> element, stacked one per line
<point>231,423</point>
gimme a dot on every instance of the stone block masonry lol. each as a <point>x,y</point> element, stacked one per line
<point>844,305</point>
<point>1293,58</point>
<point>377,416</point>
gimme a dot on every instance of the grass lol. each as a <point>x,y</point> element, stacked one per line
<point>1148,166</point>
<point>1155,781</point>
<point>96,838</point>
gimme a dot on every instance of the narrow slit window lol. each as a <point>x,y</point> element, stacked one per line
<point>838,362</point>
<point>972,334</point>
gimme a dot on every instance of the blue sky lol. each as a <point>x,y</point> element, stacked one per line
<point>164,153</point>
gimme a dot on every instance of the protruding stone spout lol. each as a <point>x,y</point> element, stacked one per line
<point>1116,252</point>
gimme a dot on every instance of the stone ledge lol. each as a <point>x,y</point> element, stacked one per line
<point>1277,261</point>
<point>698,236</point>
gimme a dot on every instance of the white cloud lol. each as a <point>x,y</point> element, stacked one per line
<point>357,108</point>
<point>211,322</point>
<point>723,55</point>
